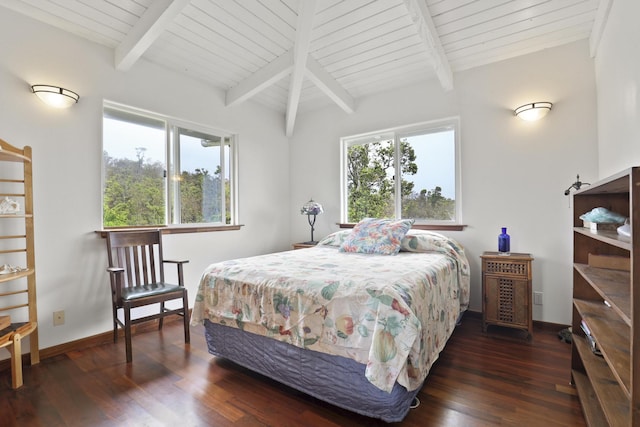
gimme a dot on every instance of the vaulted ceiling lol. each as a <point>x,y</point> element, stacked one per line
<point>299,55</point>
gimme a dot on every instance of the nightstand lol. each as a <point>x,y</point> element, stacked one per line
<point>303,245</point>
<point>506,291</point>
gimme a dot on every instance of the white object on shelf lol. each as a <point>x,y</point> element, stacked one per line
<point>625,229</point>
<point>8,206</point>
<point>8,269</point>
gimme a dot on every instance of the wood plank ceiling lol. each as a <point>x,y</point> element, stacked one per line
<point>300,55</point>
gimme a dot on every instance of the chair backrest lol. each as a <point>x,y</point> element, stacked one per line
<point>139,253</point>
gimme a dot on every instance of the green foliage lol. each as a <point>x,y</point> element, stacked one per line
<point>200,197</point>
<point>429,205</point>
<point>371,188</point>
<point>134,194</point>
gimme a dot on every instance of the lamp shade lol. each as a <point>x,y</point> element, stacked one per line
<point>55,96</point>
<point>533,111</point>
<point>311,208</point>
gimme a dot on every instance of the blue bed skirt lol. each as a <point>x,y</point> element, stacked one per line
<point>333,379</point>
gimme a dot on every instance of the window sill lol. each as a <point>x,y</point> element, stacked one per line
<point>175,230</point>
<point>439,227</point>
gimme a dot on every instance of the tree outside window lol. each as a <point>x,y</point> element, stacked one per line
<point>424,157</point>
<point>159,173</point>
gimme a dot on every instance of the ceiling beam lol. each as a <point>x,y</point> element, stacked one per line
<point>300,55</point>
<point>329,85</point>
<point>261,79</point>
<point>599,23</point>
<point>421,18</point>
<point>149,27</point>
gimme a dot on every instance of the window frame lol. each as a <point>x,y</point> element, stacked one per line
<point>396,133</point>
<point>172,127</point>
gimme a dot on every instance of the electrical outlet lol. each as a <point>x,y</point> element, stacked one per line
<point>58,318</point>
<point>537,298</point>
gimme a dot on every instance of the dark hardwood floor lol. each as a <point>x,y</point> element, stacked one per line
<point>478,381</point>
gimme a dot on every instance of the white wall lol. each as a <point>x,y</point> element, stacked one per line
<point>617,66</point>
<point>70,257</point>
<point>514,173</point>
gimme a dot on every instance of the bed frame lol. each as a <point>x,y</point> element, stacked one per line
<point>337,380</point>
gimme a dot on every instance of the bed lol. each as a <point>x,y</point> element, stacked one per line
<point>357,330</point>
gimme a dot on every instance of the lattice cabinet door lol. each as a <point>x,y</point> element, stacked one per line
<point>506,291</point>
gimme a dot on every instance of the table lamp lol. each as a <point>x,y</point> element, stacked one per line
<point>311,209</point>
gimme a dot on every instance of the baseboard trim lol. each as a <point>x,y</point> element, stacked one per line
<point>107,337</point>
<point>537,324</point>
<point>92,341</point>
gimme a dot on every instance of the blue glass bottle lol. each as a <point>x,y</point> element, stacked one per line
<point>504,242</point>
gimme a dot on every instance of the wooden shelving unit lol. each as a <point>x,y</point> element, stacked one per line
<point>605,299</point>
<point>18,289</point>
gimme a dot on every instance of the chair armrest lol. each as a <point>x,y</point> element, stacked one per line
<point>115,277</point>
<point>178,264</point>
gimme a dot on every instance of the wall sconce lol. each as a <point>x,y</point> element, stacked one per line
<point>55,96</point>
<point>533,111</point>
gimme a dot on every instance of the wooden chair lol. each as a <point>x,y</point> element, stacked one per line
<point>136,272</point>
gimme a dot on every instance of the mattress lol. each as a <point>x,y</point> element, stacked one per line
<point>385,318</point>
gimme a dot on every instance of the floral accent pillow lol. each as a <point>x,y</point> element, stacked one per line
<point>377,236</point>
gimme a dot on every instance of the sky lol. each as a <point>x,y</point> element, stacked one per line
<point>435,153</point>
<point>121,140</point>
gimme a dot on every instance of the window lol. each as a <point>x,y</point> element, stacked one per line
<point>161,171</point>
<point>426,159</point>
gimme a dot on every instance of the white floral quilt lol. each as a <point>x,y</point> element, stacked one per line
<point>392,313</point>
